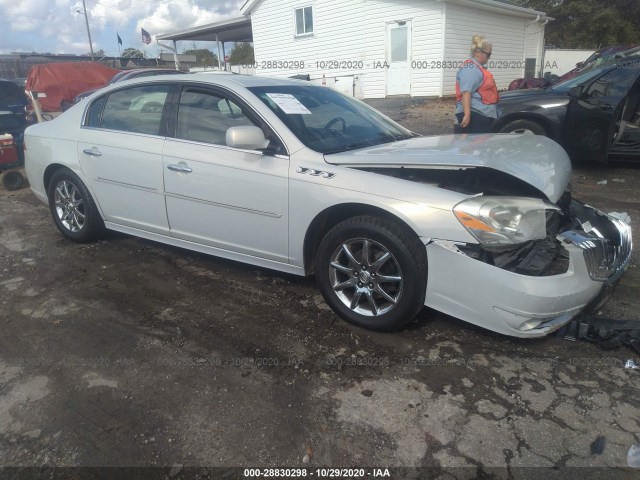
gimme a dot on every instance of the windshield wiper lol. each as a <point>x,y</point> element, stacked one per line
<point>353,146</point>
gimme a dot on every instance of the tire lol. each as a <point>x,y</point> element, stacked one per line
<point>72,207</point>
<point>12,180</point>
<point>524,126</point>
<point>353,287</point>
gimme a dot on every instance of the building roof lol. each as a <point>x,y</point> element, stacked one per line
<point>232,30</point>
<point>495,5</point>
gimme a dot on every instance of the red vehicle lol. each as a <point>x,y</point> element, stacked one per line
<point>61,82</point>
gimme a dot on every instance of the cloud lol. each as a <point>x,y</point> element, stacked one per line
<point>50,26</point>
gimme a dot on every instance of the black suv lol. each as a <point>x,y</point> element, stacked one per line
<point>14,117</point>
<point>593,115</point>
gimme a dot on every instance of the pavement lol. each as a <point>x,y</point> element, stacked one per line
<point>128,353</point>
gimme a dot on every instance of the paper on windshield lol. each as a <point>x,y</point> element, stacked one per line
<point>289,104</point>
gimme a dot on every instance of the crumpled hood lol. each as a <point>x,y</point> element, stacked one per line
<point>535,159</point>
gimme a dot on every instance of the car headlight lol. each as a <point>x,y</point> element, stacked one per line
<point>504,220</point>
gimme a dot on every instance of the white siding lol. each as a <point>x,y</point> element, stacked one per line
<point>338,36</point>
<point>505,32</point>
<point>426,41</point>
<point>353,33</point>
<point>560,62</point>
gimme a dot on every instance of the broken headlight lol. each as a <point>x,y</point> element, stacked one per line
<point>504,220</point>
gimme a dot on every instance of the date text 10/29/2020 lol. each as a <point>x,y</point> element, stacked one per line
<point>377,64</point>
<point>316,472</point>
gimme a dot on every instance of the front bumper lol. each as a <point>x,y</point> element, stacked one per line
<point>530,306</point>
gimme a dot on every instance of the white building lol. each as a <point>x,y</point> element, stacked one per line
<point>380,48</point>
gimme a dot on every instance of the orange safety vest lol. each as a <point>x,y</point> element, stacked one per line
<point>487,90</point>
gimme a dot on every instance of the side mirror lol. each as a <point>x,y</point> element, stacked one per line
<point>246,138</point>
<point>576,91</point>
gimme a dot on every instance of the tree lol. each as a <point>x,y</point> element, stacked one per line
<point>204,57</point>
<point>132,53</point>
<point>589,23</point>
<point>98,54</point>
<point>242,54</point>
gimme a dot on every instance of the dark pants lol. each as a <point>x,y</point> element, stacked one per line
<point>478,124</point>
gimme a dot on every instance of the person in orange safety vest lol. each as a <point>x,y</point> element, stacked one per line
<point>476,92</point>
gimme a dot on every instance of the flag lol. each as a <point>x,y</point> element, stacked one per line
<point>146,36</point>
<point>119,39</point>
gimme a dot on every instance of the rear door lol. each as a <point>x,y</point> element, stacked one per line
<point>593,119</point>
<point>120,150</point>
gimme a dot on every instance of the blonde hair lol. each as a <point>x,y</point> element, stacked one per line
<point>478,42</point>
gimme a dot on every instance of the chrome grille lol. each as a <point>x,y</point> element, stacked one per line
<point>604,260</point>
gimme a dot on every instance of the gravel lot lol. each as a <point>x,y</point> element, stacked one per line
<point>127,353</point>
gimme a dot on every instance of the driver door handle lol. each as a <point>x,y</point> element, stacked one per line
<point>181,167</point>
<point>92,152</point>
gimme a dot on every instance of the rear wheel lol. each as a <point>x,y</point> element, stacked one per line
<point>12,180</point>
<point>524,126</point>
<point>72,207</point>
<point>372,272</point>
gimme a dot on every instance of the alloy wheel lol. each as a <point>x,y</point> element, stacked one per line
<point>69,206</point>
<point>366,277</point>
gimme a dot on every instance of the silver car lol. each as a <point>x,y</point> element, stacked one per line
<point>302,179</point>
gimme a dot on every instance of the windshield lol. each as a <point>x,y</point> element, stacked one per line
<point>327,121</point>
<point>583,77</point>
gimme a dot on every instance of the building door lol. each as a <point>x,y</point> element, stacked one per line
<point>399,58</point>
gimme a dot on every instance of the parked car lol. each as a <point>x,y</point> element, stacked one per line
<point>128,75</point>
<point>302,179</point>
<point>597,57</point>
<point>592,115</point>
<point>14,113</point>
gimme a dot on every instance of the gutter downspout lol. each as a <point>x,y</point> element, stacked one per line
<point>534,21</point>
<point>544,50</point>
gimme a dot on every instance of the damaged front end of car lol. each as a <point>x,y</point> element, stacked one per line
<point>529,258</point>
<point>535,265</point>
<point>553,261</point>
<point>604,240</point>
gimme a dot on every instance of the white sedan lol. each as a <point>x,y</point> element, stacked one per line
<point>302,179</point>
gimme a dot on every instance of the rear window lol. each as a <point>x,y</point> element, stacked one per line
<point>11,94</point>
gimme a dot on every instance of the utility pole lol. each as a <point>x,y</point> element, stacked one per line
<point>86,20</point>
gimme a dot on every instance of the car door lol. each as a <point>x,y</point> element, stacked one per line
<point>228,198</point>
<point>120,151</point>
<point>594,116</point>
<point>627,140</point>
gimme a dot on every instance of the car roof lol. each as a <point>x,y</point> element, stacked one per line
<point>226,80</point>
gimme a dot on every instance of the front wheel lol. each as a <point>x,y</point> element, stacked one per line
<point>524,126</point>
<point>372,272</point>
<point>72,208</point>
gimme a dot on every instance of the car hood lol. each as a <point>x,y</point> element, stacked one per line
<point>534,159</point>
<point>535,96</point>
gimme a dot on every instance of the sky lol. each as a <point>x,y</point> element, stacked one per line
<point>55,26</point>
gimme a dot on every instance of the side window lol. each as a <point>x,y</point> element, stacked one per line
<point>615,83</point>
<point>94,115</point>
<point>304,21</point>
<point>136,109</point>
<point>205,117</point>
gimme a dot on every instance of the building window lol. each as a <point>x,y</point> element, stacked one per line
<point>304,21</point>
